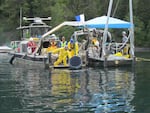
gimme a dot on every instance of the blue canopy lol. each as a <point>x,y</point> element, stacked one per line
<point>99,22</point>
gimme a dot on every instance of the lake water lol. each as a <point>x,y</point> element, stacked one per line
<point>91,90</point>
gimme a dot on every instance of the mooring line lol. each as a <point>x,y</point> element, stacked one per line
<point>142,59</point>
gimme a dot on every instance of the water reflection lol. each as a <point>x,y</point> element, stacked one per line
<point>116,92</point>
<point>83,91</point>
<point>32,88</point>
<point>95,90</point>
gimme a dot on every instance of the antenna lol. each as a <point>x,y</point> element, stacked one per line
<point>20,17</point>
<point>48,18</point>
<point>37,19</point>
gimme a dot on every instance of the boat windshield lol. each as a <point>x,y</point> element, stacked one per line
<point>35,32</point>
<point>38,31</point>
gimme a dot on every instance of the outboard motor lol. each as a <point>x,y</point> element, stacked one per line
<point>75,62</point>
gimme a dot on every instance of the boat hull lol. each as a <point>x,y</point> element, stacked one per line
<point>110,63</point>
<point>41,61</point>
<point>28,60</point>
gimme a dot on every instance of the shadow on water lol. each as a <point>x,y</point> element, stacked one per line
<point>91,90</point>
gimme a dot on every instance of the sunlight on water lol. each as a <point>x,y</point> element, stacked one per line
<point>25,90</point>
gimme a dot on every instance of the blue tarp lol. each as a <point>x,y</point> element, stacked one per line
<point>99,22</point>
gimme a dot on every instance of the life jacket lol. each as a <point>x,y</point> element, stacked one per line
<point>95,42</point>
<point>53,46</point>
<point>63,44</point>
<point>53,43</point>
<point>71,46</point>
<point>31,46</point>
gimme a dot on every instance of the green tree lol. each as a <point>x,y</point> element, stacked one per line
<point>142,11</point>
<point>139,31</point>
<point>147,35</point>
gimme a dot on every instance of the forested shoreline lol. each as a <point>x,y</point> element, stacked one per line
<point>62,10</point>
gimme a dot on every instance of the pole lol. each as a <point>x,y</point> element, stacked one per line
<point>132,28</point>
<point>106,29</point>
<point>20,17</point>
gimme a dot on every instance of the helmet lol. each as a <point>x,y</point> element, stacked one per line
<point>71,41</point>
<point>53,35</point>
<point>31,39</point>
<point>124,33</point>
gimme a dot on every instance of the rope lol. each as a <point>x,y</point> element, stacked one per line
<point>142,59</point>
<point>116,7</point>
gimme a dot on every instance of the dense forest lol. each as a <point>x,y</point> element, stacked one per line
<point>62,10</point>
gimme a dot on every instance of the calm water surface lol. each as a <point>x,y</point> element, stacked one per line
<point>92,90</point>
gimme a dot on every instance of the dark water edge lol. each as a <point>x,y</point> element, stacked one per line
<point>91,90</point>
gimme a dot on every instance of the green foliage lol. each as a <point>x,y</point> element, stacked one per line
<point>139,31</point>
<point>59,11</point>
<point>66,10</point>
<point>147,42</point>
<point>142,11</point>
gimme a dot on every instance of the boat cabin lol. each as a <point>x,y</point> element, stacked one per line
<point>35,29</point>
<point>30,35</point>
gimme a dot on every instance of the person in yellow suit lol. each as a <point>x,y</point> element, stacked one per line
<point>95,42</point>
<point>73,48</point>
<point>63,53</point>
<point>53,45</point>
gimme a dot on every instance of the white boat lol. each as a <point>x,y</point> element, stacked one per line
<point>23,50</point>
<point>33,48</point>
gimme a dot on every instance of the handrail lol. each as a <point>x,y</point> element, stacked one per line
<point>117,45</point>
